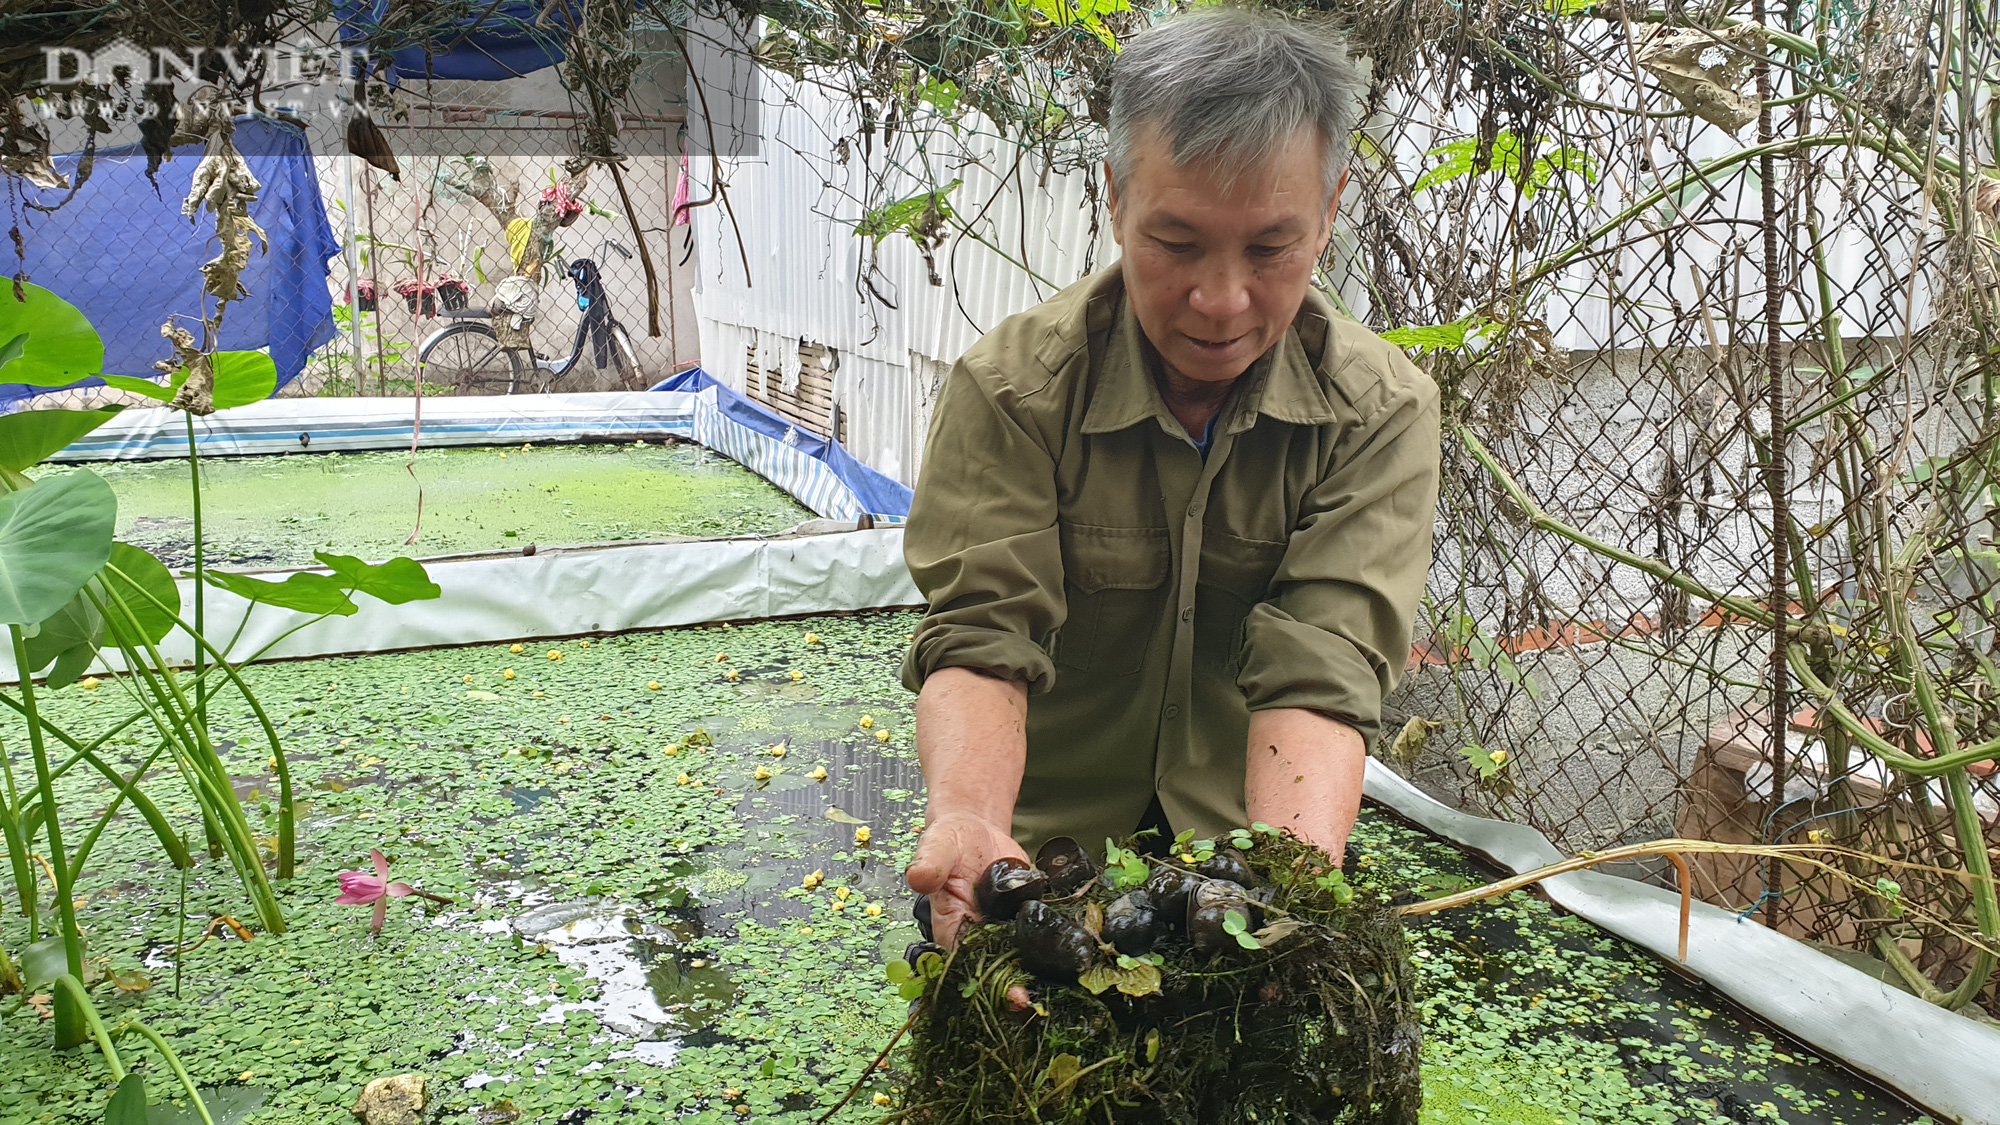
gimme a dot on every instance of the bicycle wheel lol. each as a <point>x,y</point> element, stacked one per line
<point>624,360</point>
<point>468,358</point>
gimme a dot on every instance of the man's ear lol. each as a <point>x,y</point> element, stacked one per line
<point>1333,201</point>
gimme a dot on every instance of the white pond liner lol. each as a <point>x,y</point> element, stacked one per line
<point>1948,1064</point>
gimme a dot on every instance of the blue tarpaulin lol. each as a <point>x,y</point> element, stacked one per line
<point>122,253</point>
<point>504,42</point>
<point>875,493</point>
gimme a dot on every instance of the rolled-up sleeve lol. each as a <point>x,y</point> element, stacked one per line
<point>981,541</point>
<point>1334,635</point>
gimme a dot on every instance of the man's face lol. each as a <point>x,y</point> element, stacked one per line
<point>1216,276</point>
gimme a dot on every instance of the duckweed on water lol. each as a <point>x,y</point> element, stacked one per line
<point>626,946</point>
<point>275,511</point>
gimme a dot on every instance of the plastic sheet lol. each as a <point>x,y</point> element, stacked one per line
<point>1941,1061</point>
<point>561,592</point>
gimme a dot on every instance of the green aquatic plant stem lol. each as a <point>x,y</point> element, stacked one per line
<point>173,1063</point>
<point>177,716</point>
<point>70,985</point>
<point>69,1018</point>
<point>125,790</point>
<point>17,849</point>
<point>200,567</point>
<point>287,831</point>
<point>87,754</point>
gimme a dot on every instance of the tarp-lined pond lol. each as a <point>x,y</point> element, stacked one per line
<point>631,936</point>
<point>276,511</point>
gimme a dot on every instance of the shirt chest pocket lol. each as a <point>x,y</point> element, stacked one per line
<point>1114,579</point>
<point>1236,574</point>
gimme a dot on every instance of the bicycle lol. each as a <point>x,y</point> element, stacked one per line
<point>467,356</point>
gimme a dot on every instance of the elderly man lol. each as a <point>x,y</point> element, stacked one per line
<point>1173,523</point>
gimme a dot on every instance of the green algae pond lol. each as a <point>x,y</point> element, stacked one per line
<point>662,906</point>
<point>275,511</point>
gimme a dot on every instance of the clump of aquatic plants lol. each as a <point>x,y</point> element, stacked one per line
<point>68,592</point>
<point>1230,981</point>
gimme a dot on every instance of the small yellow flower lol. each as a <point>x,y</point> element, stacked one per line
<point>838,904</point>
<point>564,719</point>
<point>777,751</point>
<point>761,774</point>
<point>874,910</point>
<point>537,694</point>
<point>672,750</point>
<point>721,656</point>
<point>585,642</point>
<point>1815,836</point>
<point>881,1099</point>
<point>812,638</point>
<point>742,1110</point>
<point>89,683</point>
<point>818,773</point>
<point>652,685</point>
<point>797,675</point>
<point>503,455</point>
<point>730,675</point>
<point>813,880</point>
<point>732,1092</point>
<point>468,679</point>
<point>867,721</point>
<point>515,649</point>
<point>1498,757</point>
<point>861,835</point>
<point>881,736</point>
<point>684,780</point>
<point>555,654</point>
<point>1186,858</point>
<point>506,673</point>
<point>524,446</point>
<point>843,893</point>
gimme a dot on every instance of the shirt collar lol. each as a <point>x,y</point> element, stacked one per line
<point>1282,384</point>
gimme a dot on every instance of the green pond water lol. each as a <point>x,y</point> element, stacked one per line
<point>629,937</point>
<point>276,511</point>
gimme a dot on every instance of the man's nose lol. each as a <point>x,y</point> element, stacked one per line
<point>1223,292</point>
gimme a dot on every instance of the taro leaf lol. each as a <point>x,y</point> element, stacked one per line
<point>162,392</point>
<point>61,346</point>
<point>241,378</point>
<point>54,537</point>
<point>70,639</point>
<point>307,593</point>
<point>44,961</point>
<point>1097,978</point>
<point>128,1102</point>
<point>142,572</point>
<point>397,581</point>
<point>13,349</point>
<point>28,437</point>
<point>1139,980</point>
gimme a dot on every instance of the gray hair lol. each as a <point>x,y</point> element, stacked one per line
<point>1236,78</point>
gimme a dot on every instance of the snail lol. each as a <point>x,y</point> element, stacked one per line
<point>919,948</point>
<point>921,911</point>
<point>1133,924</point>
<point>1066,864</point>
<point>1051,944</point>
<point>1007,884</point>
<point>1227,864</point>
<point>1169,888</point>
<point>1209,908</point>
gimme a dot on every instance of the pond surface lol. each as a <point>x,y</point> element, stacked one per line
<point>275,511</point>
<point>662,909</point>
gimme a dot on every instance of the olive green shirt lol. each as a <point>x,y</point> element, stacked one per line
<point>1069,535</point>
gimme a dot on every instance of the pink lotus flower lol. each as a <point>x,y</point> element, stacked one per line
<point>358,889</point>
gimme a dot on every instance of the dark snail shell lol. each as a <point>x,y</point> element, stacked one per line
<point>1350,860</point>
<point>1066,864</point>
<point>922,913</point>
<point>1052,945</point>
<point>1227,864</point>
<point>1209,908</point>
<point>919,948</point>
<point>1169,888</point>
<point>1133,924</point>
<point>1007,884</point>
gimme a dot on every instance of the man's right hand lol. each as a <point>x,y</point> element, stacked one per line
<point>954,852</point>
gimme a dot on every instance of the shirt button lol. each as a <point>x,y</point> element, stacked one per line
<point>1187,614</point>
<point>1173,712</point>
<point>1194,509</point>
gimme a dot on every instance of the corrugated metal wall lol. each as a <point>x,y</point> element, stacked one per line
<point>810,275</point>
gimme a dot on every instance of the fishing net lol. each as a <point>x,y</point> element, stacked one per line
<point>1294,1003</point>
